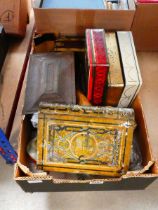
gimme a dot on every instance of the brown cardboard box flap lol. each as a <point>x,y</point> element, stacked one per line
<point>155,167</point>
<point>142,171</point>
<point>35,179</point>
<point>43,176</point>
<point>148,96</point>
<point>27,171</point>
<point>145,26</point>
<point>145,143</point>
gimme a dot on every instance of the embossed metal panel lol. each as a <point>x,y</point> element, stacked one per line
<point>80,139</point>
<point>51,78</point>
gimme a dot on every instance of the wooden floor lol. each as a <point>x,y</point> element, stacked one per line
<point>11,75</point>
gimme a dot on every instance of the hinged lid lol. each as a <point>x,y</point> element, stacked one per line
<point>96,47</point>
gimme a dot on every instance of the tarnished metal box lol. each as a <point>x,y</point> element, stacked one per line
<point>51,78</point>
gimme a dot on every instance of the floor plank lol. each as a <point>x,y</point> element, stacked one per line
<point>12,73</point>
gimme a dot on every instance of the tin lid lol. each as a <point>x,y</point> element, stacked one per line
<point>115,76</point>
<point>51,78</point>
<point>96,47</point>
<point>94,139</point>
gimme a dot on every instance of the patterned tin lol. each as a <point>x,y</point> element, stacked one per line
<point>132,75</point>
<point>115,76</point>
<point>79,139</point>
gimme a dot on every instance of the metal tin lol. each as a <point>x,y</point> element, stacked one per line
<point>98,65</point>
<point>51,78</point>
<point>132,75</point>
<point>81,139</point>
<point>115,76</point>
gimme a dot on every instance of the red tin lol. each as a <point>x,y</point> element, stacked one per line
<point>98,65</point>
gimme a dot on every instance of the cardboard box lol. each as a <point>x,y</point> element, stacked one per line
<point>75,21</point>
<point>145,26</point>
<point>33,182</point>
<point>40,182</point>
<point>14,15</point>
<point>12,75</point>
<point>148,62</point>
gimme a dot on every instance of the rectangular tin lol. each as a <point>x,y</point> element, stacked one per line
<point>115,76</point>
<point>98,65</point>
<point>51,78</point>
<point>132,75</point>
<point>79,139</point>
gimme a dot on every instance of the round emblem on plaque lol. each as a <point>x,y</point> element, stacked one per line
<point>83,146</point>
